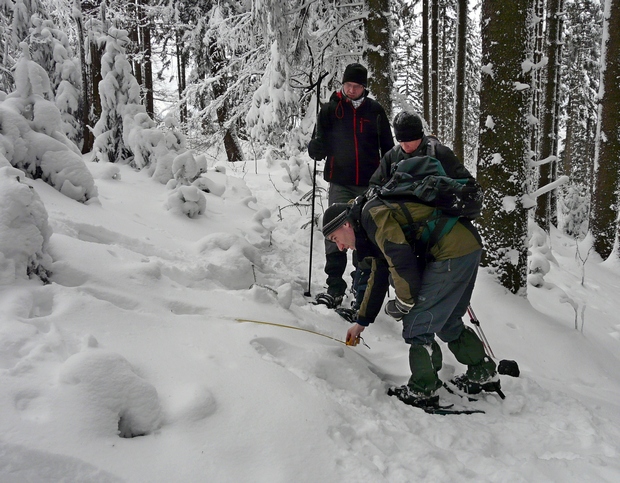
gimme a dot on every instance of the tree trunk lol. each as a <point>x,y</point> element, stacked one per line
<point>458,144</point>
<point>434,124</point>
<point>604,222</point>
<point>87,136</point>
<point>233,150</point>
<point>181,57</point>
<point>504,140</point>
<point>147,63</point>
<point>134,11</point>
<point>379,53</point>
<point>425,62</point>
<point>548,139</point>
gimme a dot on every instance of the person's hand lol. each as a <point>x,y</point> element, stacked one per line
<point>316,149</point>
<point>353,334</point>
<point>397,309</point>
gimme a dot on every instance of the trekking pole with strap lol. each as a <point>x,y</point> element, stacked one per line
<point>506,367</point>
<point>317,84</point>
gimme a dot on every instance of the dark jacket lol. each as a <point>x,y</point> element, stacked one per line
<point>353,139</point>
<point>429,146</point>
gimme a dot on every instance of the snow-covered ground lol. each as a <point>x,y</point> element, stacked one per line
<point>138,335</point>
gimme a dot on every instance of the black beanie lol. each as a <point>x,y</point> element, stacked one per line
<point>408,127</point>
<point>334,217</point>
<point>355,73</point>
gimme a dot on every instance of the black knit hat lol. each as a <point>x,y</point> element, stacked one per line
<point>355,73</point>
<point>408,127</point>
<point>334,217</point>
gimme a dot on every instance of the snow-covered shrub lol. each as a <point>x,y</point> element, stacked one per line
<point>574,207</point>
<point>152,147</point>
<point>187,200</point>
<point>539,256</point>
<point>24,231</point>
<point>30,136</point>
<point>186,169</point>
<point>208,185</point>
<point>297,170</point>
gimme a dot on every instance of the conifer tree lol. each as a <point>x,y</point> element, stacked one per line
<point>605,207</point>
<point>504,139</point>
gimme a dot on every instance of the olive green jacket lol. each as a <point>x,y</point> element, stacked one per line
<point>396,249</point>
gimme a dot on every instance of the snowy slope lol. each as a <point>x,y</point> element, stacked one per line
<point>138,334</point>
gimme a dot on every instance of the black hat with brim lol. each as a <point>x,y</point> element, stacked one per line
<point>335,216</point>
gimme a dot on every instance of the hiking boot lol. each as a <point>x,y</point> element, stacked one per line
<point>469,386</point>
<point>350,315</point>
<point>413,398</point>
<point>331,301</point>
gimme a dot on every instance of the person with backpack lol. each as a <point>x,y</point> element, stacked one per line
<point>431,258</point>
<point>353,133</point>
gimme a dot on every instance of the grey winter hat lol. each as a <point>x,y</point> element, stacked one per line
<point>408,127</point>
<point>355,73</point>
<point>334,217</point>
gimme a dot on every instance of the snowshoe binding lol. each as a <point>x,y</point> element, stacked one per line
<point>329,300</point>
<point>468,386</point>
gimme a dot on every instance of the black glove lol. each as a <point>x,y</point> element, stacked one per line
<point>316,149</point>
<point>397,308</point>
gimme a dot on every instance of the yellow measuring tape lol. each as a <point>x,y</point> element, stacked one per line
<point>262,322</point>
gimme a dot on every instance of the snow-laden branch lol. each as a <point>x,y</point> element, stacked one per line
<point>549,159</point>
<point>529,199</point>
<point>363,16</point>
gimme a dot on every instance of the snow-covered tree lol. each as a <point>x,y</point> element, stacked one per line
<point>118,88</point>
<point>32,138</point>
<point>580,81</point>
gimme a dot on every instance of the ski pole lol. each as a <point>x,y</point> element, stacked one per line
<point>307,293</point>
<point>505,366</point>
<point>476,323</point>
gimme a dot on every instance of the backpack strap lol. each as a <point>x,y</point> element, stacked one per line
<point>436,227</point>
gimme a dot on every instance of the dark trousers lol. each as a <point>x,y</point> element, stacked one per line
<point>335,260</point>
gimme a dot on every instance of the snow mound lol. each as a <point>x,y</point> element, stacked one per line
<point>116,399</point>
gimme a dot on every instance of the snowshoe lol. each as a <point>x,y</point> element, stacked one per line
<point>331,301</point>
<point>350,315</point>
<point>429,404</point>
<point>412,398</point>
<point>466,385</point>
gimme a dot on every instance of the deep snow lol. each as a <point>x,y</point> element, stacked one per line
<point>137,333</point>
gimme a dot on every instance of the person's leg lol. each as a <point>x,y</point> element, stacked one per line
<point>425,362</point>
<point>335,260</point>
<point>446,289</point>
<point>469,350</point>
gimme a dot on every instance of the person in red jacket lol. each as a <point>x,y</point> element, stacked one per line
<point>353,133</point>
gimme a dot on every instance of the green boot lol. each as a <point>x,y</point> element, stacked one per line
<point>469,350</point>
<point>425,362</point>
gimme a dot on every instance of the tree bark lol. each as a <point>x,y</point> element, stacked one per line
<point>504,140</point>
<point>379,54</point>
<point>548,142</point>
<point>434,121</point>
<point>604,222</point>
<point>426,95</point>
<point>458,144</point>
